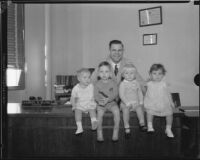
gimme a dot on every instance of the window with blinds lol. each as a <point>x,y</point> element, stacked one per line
<point>15,40</point>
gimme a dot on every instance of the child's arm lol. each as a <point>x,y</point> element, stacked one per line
<point>96,93</point>
<point>169,96</point>
<point>114,93</point>
<point>73,98</point>
<point>73,102</point>
<point>103,94</point>
<point>121,93</point>
<point>140,95</point>
<point>142,82</point>
<point>171,101</point>
<point>97,96</point>
<point>93,99</point>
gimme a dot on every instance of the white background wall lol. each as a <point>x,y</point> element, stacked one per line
<point>80,34</point>
<point>34,54</point>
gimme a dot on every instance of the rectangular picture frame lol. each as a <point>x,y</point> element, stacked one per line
<point>150,16</point>
<point>150,39</point>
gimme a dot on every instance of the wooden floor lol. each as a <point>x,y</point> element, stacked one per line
<point>53,136</point>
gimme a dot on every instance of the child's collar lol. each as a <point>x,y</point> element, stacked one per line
<point>130,81</point>
<point>81,86</point>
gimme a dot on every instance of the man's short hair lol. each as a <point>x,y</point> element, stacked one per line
<point>115,42</point>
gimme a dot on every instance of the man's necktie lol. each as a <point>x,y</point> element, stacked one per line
<point>116,70</point>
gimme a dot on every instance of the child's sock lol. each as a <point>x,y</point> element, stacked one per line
<point>168,131</point>
<point>100,136</point>
<point>115,134</point>
<point>150,127</point>
<point>127,128</point>
<point>94,123</point>
<point>168,126</point>
<point>141,120</point>
<point>79,127</point>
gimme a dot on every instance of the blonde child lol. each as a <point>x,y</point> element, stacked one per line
<point>158,100</point>
<point>105,93</point>
<point>131,97</point>
<point>82,99</point>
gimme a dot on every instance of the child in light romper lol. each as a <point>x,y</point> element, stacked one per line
<point>82,99</point>
<point>105,93</point>
<point>131,97</point>
<point>158,100</point>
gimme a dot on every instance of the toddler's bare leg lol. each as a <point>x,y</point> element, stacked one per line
<point>116,116</point>
<point>169,120</point>
<point>100,113</point>
<point>126,117</point>
<point>78,119</point>
<point>168,131</point>
<point>93,116</point>
<point>140,115</point>
<point>149,123</point>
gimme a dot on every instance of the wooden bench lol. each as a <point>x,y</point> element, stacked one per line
<point>51,134</point>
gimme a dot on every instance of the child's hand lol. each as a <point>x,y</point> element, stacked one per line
<point>128,104</point>
<point>106,100</point>
<point>149,79</point>
<point>73,108</point>
<point>103,101</point>
<point>172,105</point>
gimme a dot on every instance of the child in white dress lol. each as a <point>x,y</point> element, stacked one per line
<point>158,100</point>
<point>82,99</point>
<point>131,97</point>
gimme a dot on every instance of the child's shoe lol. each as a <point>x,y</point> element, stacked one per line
<point>115,135</point>
<point>99,136</point>
<point>143,128</point>
<point>169,133</point>
<point>127,130</point>
<point>127,133</point>
<point>79,131</point>
<point>94,125</point>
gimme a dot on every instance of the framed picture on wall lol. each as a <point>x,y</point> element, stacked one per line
<point>150,16</point>
<point>150,39</point>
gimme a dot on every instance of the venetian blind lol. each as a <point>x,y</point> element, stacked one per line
<point>15,39</point>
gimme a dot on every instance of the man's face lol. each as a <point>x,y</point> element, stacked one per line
<point>116,52</point>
